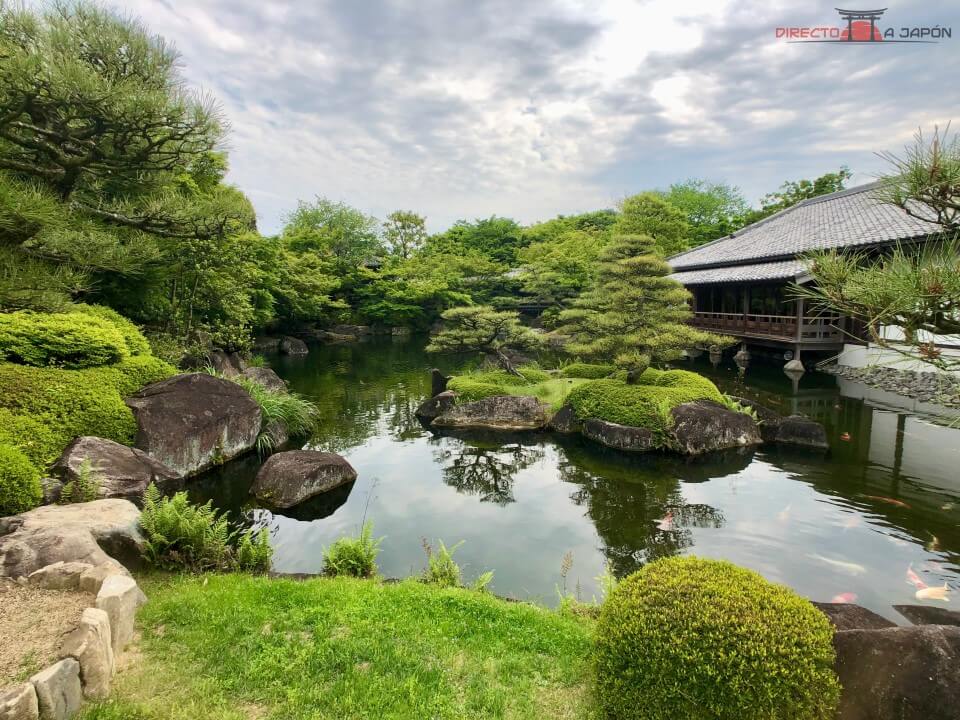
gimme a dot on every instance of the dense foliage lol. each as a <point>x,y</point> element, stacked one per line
<point>590,371</point>
<point>688,638</point>
<point>19,482</point>
<point>353,556</point>
<point>285,414</point>
<point>180,535</point>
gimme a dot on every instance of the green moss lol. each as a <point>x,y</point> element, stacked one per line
<point>69,340</point>
<point>469,389</point>
<point>646,404</point>
<point>587,371</point>
<point>133,373</point>
<point>19,482</point>
<point>688,638</point>
<point>33,438</point>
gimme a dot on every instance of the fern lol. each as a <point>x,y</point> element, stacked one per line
<point>84,488</point>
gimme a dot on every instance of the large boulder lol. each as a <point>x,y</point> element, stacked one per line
<point>503,412</point>
<point>901,673</point>
<point>266,377</point>
<point>926,615</point>
<point>800,431</point>
<point>847,616</point>
<point>565,421</point>
<point>438,382</point>
<point>290,478</point>
<point>703,426</point>
<point>354,330</point>
<point>227,364</point>
<point>120,471</point>
<point>102,532</point>
<point>437,405</point>
<point>193,422</point>
<point>293,346</point>
<point>621,437</point>
<point>767,419</point>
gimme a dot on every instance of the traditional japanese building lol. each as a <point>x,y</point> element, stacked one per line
<point>740,283</point>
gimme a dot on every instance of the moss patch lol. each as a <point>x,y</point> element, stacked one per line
<point>534,383</point>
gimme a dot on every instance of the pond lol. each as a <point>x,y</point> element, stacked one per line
<point>884,500</point>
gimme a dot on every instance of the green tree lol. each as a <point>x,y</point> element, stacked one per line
<point>495,237</point>
<point>558,269</point>
<point>334,229</point>
<point>634,314</point>
<point>711,209</point>
<point>649,214</point>
<point>481,329</point>
<point>404,232</point>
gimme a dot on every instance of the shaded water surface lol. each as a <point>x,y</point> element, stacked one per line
<point>851,521</point>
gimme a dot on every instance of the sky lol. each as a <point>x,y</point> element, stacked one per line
<point>533,108</point>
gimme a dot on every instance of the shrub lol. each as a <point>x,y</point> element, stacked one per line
<point>532,375</point>
<point>181,535</point>
<point>70,340</point>
<point>19,482</point>
<point>470,390</point>
<point>280,409</point>
<point>33,438</point>
<point>68,402</point>
<point>354,556</point>
<point>136,342</point>
<point>84,488</point>
<point>587,371</point>
<point>688,638</point>
<point>129,375</point>
<point>442,569</point>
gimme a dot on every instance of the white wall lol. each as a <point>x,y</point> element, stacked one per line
<point>859,356</point>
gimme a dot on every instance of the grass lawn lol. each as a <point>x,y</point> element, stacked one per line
<point>554,392</point>
<point>241,648</point>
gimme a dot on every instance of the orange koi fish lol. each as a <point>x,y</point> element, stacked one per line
<point>889,501</point>
<point>914,579</point>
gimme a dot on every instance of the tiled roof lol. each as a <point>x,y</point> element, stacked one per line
<point>782,270</point>
<point>849,218</point>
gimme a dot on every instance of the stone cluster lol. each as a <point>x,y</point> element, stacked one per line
<point>930,387</point>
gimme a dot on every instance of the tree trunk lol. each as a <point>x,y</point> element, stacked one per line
<point>505,363</point>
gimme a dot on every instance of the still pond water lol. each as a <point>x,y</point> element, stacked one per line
<point>851,521</point>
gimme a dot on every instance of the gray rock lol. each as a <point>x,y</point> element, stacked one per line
<point>901,673</point>
<point>437,405</point>
<point>19,703</point>
<point>801,431</point>
<point>52,488</point>
<point>703,426</point>
<point>438,382</point>
<point>193,422</point>
<point>565,420</point>
<point>290,478</point>
<point>94,533</point>
<point>926,615</point>
<point>768,420</point>
<point>59,694</point>
<point>266,377</point>
<point>90,645</point>
<point>293,346</point>
<point>621,437</point>
<point>266,344</point>
<point>847,616</point>
<point>120,597</point>
<point>335,338</point>
<point>59,576</point>
<point>355,330</point>
<point>503,412</point>
<point>91,580</point>
<point>121,471</point>
<point>227,364</point>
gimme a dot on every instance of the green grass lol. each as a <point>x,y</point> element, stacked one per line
<point>538,384</point>
<point>234,647</point>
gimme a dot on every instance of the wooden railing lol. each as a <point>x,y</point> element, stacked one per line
<point>813,329</point>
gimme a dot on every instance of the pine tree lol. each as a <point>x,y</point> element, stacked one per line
<point>480,328</point>
<point>634,314</point>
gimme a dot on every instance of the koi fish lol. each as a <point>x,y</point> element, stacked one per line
<point>784,514</point>
<point>847,567</point>
<point>914,579</point>
<point>934,544</point>
<point>947,506</point>
<point>933,593</point>
<point>889,501</point>
<point>666,522</point>
<point>844,598</point>
<point>845,437</point>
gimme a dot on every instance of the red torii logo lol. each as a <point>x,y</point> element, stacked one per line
<point>861,25</point>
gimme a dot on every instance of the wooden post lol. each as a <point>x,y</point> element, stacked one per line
<point>799,334</point>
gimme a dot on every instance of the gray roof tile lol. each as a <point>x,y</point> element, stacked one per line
<point>849,218</point>
<point>782,270</point>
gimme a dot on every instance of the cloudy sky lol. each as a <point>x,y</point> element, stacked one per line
<point>530,108</point>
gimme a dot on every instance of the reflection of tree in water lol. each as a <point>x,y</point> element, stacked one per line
<point>486,469</point>
<point>628,498</point>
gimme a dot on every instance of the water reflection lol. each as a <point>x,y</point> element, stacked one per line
<point>885,499</point>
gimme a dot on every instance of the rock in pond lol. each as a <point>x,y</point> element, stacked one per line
<point>266,377</point>
<point>565,421</point>
<point>926,615</point>
<point>704,426</point>
<point>437,405</point>
<point>102,532</point>
<point>120,471</point>
<point>289,478</point>
<point>621,437</point>
<point>800,431</point>
<point>502,412</point>
<point>193,422</point>
<point>900,673</point>
<point>293,346</point>
<point>847,616</point>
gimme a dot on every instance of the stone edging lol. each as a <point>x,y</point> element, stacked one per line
<point>88,653</point>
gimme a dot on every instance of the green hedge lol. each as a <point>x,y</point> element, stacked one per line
<point>19,482</point>
<point>33,438</point>
<point>689,638</point>
<point>133,373</point>
<point>69,340</point>
<point>491,383</point>
<point>646,404</point>
<point>137,343</point>
<point>587,371</point>
<point>469,390</point>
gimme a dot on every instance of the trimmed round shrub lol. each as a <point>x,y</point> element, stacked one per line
<point>133,373</point>
<point>137,343</point>
<point>19,482</point>
<point>587,371</point>
<point>70,340</point>
<point>531,375</point>
<point>469,389</point>
<point>689,638</point>
<point>34,439</point>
